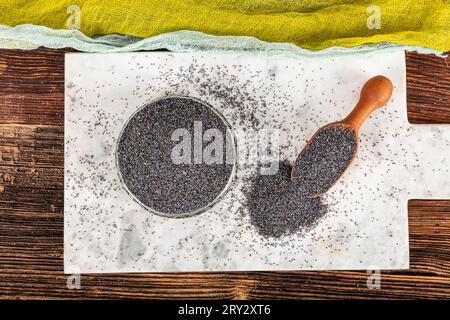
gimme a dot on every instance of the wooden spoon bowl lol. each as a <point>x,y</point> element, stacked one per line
<point>310,164</point>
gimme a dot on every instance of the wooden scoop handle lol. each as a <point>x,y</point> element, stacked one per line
<point>375,93</point>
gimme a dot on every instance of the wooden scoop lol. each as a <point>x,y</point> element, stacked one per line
<point>329,152</point>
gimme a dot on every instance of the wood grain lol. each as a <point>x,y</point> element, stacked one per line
<point>31,206</point>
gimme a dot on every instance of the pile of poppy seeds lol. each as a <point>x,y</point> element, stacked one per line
<point>145,160</point>
<point>279,206</point>
<point>325,158</point>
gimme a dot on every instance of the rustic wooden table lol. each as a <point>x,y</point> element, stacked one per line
<point>31,205</point>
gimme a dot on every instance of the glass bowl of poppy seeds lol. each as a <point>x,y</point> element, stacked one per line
<point>176,156</point>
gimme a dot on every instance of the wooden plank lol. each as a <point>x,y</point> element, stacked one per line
<point>428,88</point>
<point>32,108</point>
<point>31,168</point>
<point>31,206</point>
<point>32,72</point>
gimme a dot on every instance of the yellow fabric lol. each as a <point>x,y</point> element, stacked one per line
<point>311,24</point>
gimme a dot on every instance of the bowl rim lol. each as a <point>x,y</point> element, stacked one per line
<point>217,198</point>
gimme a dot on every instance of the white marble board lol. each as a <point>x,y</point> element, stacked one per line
<point>367,228</point>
